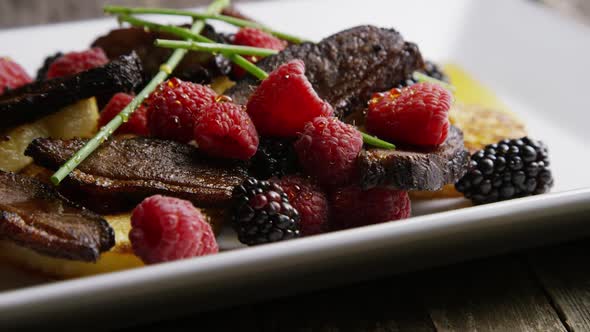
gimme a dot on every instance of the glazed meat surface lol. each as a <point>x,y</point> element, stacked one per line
<point>41,98</point>
<point>34,215</point>
<point>413,169</point>
<point>122,172</point>
<point>200,67</point>
<point>346,68</point>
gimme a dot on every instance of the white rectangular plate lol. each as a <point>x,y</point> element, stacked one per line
<point>536,60</point>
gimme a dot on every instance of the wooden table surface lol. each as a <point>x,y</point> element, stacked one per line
<point>545,289</point>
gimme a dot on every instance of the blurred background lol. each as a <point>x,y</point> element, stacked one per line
<point>14,13</point>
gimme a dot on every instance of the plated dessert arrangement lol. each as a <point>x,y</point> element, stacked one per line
<point>143,147</point>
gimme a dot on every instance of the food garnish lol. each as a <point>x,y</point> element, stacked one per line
<point>257,38</point>
<point>285,101</point>
<point>122,11</point>
<point>76,62</point>
<point>509,169</point>
<point>328,149</point>
<point>414,115</point>
<point>215,7</point>
<point>354,207</point>
<point>167,229</point>
<point>12,75</point>
<point>309,200</point>
<point>172,107</point>
<point>137,123</point>
<point>261,213</point>
<point>215,47</point>
<point>224,129</point>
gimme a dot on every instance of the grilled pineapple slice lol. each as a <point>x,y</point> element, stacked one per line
<point>77,120</point>
<point>482,117</point>
<point>120,257</point>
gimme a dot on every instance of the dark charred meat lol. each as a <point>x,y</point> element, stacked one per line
<point>199,67</point>
<point>42,72</point>
<point>34,215</point>
<point>42,98</point>
<point>123,172</point>
<point>346,68</point>
<point>411,169</point>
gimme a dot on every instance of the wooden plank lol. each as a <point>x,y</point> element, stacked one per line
<point>497,294</point>
<point>385,305</point>
<point>564,272</point>
<point>27,12</point>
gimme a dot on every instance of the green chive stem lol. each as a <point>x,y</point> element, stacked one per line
<point>421,77</point>
<point>203,16</point>
<point>376,142</point>
<point>166,69</point>
<point>187,34</point>
<point>215,47</point>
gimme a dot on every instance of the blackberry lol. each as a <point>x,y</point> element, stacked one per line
<point>509,169</point>
<point>275,157</point>
<point>262,213</point>
<point>431,69</point>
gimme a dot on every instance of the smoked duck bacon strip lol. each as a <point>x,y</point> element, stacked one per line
<point>34,215</point>
<point>122,172</point>
<point>415,169</point>
<point>41,98</point>
<point>346,68</point>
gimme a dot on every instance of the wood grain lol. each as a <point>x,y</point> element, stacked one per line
<point>564,272</point>
<point>30,12</point>
<point>497,294</point>
<point>385,305</point>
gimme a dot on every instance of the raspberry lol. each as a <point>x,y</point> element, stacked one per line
<point>137,123</point>
<point>224,129</point>
<point>285,101</point>
<point>167,228</point>
<point>261,213</point>
<point>257,38</point>
<point>353,207</point>
<point>328,150</point>
<point>416,115</point>
<point>172,108</point>
<point>309,200</point>
<point>76,62</point>
<point>12,75</point>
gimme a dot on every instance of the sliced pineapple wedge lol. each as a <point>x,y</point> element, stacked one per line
<point>77,120</point>
<point>120,257</point>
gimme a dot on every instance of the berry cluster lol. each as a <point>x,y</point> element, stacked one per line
<point>290,114</point>
<point>510,169</point>
<point>185,111</point>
